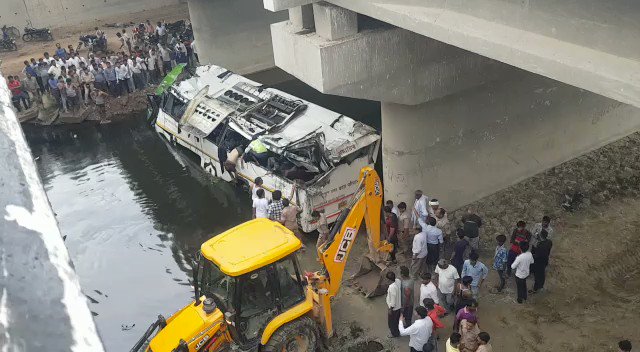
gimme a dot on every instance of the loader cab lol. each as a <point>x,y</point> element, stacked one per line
<point>252,273</point>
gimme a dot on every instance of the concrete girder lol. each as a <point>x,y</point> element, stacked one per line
<point>385,64</point>
<point>590,44</point>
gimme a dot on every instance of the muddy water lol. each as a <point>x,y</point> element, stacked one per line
<point>134,211</point>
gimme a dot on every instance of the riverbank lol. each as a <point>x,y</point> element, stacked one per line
<point>116,109</point>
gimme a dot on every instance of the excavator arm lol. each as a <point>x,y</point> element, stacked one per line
<point>366,203</point>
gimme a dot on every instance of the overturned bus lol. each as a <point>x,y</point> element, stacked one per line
<point>311,154</point>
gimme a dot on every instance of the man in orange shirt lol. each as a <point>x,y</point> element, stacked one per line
<point>434,312</point>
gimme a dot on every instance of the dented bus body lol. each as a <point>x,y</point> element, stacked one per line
<point>313,154</point>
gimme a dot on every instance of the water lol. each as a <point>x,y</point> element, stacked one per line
<point>135,211</point>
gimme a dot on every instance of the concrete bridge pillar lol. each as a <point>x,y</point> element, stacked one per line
<point>234,34</point>
<point>472,143</point>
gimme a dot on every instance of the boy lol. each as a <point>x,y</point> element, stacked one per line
<point>483,342</point>
<point>520,234</point>
<point>500,261</point>
<point>453,343</point>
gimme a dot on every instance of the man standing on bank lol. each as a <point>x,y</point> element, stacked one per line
<point>541,257</point>
<point>471,223</point>
<point>521,265</point>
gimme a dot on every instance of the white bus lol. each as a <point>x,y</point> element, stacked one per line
<point>313,156</point>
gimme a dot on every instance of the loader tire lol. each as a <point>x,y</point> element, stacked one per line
<point>300,335</point>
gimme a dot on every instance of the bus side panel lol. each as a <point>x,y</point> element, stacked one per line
<point>334,194</point>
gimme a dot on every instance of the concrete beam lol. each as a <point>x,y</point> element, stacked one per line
<point>41,302</point>
<point>590,44</point>
<point>384,64</point>
<point>301,17</point>
<point>280,5</point>
<point>234,34</point>
<point>334,22</point>
<point>465,146</point>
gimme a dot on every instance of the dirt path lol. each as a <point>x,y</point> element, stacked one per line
<point>12,62</point>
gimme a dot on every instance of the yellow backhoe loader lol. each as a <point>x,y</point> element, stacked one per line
<point>251,294</point>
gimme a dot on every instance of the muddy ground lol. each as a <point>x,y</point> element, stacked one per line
<point>591,299</point>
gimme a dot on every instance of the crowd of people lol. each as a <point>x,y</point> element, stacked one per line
<point>451,273</point>
<point>74,80</point>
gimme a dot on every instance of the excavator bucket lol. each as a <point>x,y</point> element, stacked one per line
<point>370,280</point>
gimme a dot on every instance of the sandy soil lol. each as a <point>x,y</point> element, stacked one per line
<point>12,62</point>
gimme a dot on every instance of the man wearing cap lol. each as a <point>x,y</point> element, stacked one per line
<point>447,277</point>
<point>434,205</point>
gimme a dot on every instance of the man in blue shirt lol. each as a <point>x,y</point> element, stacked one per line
<point>29,70</point>
<point>478,271</point>
<point>61,52</point>
<point>112,80</point>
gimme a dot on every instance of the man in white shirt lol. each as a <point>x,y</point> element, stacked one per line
<point>537,229</point>
<point>394,303</point>
<point>447,276</point>
<point>420,251</point>
<point>419,208</point>
<point>419,332</point>
<point>260,206</point>
<point>394,209</point>
<point>121,75</point>
<point>521,264</point>
<point>54,69</point>
<point>428,289</point>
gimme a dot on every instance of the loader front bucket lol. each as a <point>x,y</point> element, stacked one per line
<point>370,280</point>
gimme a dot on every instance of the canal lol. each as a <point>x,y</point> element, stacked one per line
<point>134,211</point>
